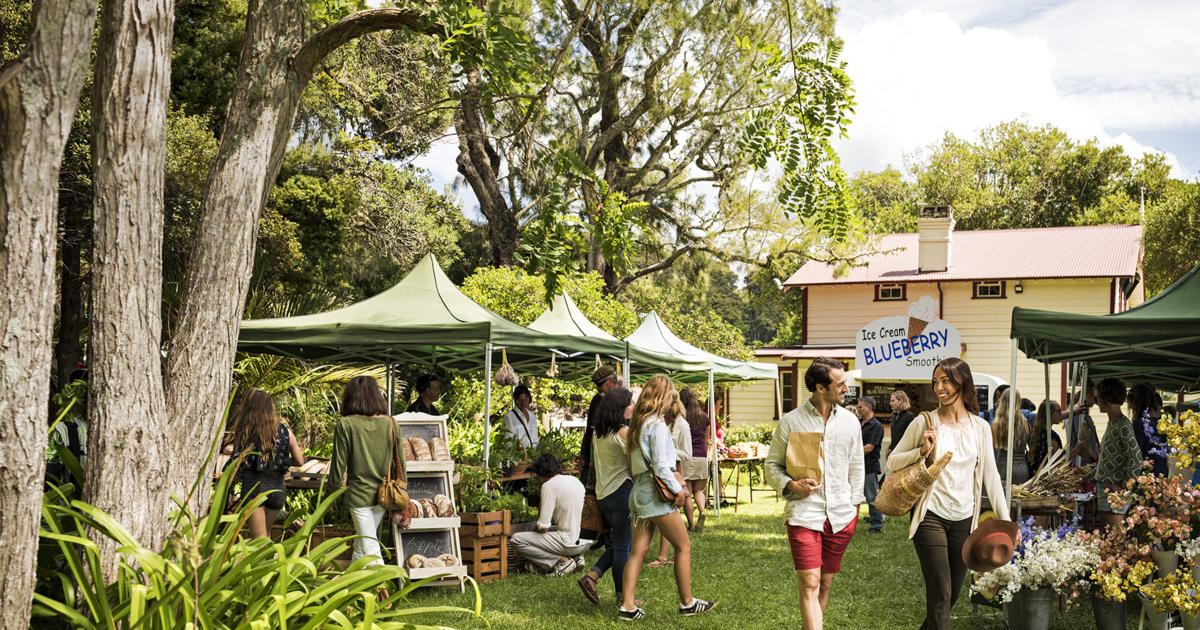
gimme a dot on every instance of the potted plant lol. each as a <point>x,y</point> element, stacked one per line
<point>1173,591</point>
<point>1124,564</point>
<point>1046,563</point>
<point>1182,441</point>
<point>1161,513</point>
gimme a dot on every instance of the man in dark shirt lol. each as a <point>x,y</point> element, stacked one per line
<point>428,391</point>
<point>872,439</point>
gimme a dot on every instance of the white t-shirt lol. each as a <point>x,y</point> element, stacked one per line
<point>562,506</point>
<point>953,494</point>
<point>522,426</point>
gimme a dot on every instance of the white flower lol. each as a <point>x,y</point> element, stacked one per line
<point>1048,562</point>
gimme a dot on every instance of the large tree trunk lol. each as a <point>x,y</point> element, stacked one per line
<point>39,92</point>
<point>127,464</point>
<point>479,163</point>
<point>276,65</point>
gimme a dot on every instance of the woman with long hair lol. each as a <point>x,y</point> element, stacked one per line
<point>1120,457</point>
<point>902,416</point>
<point>1145,407</point>
<point>1020,439</point>
<point>362,451</point>
<point>613,484</point>
<point>947,513</point>
<point>269,448</point>
<point>681,435</point>
<point>651,453</point>
<point>695,471</point>
<point>1049,413</point>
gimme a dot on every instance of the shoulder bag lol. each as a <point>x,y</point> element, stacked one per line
<point>393,490</point>
<point>903,488</point>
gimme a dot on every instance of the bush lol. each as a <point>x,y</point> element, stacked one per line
<point>209,576</point>
<point>760,433</point>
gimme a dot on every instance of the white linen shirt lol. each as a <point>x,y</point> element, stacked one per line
<point>843,471</point>
<point>523,426</point>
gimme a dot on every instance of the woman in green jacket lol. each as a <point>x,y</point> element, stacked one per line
<point>362,452</point>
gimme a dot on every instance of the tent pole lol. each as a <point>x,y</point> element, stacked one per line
<point>487,404</point>
<point>1071,402</point>
<point>391,385</point>
<point>716,469</point>
<point>1013,405</point>
<point>778,399</point>
<point>1083,385</point>
<point>1049,424</point>
<point>625,365</point>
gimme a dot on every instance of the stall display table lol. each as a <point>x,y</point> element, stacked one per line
<point>738,463</point>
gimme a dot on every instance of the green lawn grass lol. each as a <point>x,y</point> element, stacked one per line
<point>742,562</point>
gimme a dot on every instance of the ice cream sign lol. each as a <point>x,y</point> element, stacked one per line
<point>906,346</point>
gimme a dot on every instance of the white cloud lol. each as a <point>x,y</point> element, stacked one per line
<point>1085,67</point>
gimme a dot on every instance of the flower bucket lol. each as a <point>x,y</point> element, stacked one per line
<point>1109,615</point>
<point>1030,609</point>
<point>1167,561</point>
<point>1155,619</point>
<point>1191,622</point>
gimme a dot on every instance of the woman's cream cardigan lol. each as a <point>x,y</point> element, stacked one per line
<point>908,452</point>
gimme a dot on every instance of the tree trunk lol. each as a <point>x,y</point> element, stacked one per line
<point>479,162</point>
<point>127,462</point>
<point>39,92</point>
<point>275,66</point>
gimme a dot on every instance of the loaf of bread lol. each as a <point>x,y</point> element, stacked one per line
<point>448,559</point>
<point>428,508</point>
<point>432,563</point>
<point>441,452</point>
<point>421,449</point>
<point>445,508</point>
<point>409,455</point>
<point>416,561</point>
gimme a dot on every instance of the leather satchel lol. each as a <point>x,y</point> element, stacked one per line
<point>393,490</point>
<point>660,487</point>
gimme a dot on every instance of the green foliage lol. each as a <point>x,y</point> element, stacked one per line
<point>517,295</point>
<point>191,148</point>
<point>798,130</point>
<point>1172,236</point>
<point>760,433</point>
<point>339,222</point>
<point>204,56</point>
<point>209,577</point>
<point>887,202</point>
<point>15,18</point>
<point>563,444</point>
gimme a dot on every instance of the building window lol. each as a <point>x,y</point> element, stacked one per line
<point>993,290</point>
<point>787,387</point>
<point>889,292</point>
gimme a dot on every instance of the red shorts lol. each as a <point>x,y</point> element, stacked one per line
<point>819,550</point>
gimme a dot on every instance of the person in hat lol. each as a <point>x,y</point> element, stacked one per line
<point>604,378</point>
<point>948,512</point>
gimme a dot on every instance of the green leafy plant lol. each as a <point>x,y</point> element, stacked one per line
<point>563,444</point>
<point>208,576</point>
<point>760,433</point>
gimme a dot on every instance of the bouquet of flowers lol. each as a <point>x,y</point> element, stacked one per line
<point>1183,438</point>
<point>1060,558</point>
<point>1174,591</point>
<point>1190,550</point>
<point>1124,564</point>
<point>1161,510</point>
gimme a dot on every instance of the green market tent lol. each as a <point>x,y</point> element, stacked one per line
<point>653,334</point>
<point>1156,342</point>
<point>564,318</point>
<point>423,319</point>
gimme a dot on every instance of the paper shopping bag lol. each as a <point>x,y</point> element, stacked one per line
<point>805,458</point>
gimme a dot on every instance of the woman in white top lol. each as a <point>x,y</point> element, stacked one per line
<point>613,483</point>
<point>521,422</point>
<point>681,435</point>
<point>949,511</point>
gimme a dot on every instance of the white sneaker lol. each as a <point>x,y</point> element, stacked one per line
<point>564,567</point>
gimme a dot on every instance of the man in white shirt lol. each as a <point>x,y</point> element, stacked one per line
<point>821,516</point>
<point>561,550</point>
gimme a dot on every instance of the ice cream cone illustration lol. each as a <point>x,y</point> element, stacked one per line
<point>920,313</point>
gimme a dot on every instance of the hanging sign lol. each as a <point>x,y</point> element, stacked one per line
<point>906,346</point>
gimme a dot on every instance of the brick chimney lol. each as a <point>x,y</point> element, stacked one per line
<point>935,226</point>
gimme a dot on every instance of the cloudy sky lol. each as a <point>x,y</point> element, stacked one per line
<point>1122,72</point>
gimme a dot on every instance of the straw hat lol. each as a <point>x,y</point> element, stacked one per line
<point>990,546</point>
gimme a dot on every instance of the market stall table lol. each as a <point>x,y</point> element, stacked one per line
<point>737,463</point>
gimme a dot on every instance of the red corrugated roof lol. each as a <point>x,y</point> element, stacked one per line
<point>807,352</point>
<point>1094,251</point>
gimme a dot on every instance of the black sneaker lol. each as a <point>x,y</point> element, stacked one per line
<point>630,615</point>
<point>698,606</point>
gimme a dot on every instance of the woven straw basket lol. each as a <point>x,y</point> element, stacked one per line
<point>902,489</point>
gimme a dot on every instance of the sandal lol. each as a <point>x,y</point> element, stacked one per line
<point>659,563</point>
<point>588,585</point>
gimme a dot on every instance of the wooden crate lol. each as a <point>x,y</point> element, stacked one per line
<point>484,524</point>
<point>486,558</point>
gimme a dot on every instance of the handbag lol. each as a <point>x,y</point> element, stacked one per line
<point>393,490</point>
<point>661,489</point>
<point>592,522</point>
<point>903,488</point>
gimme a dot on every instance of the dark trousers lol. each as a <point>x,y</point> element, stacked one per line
<point>870,491</point>
<point>939,544</point>
<point>615,508</point>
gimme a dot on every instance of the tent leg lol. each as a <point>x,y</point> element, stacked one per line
<point>1013,405</point>
<point>1072,400</point>
<point>716,469</point>
<point>1049,425</point>
<point>487,404</point>
<point>391,385</point>
<point>778,400</point>
<point>625,366</point>
<point>1083,383</point>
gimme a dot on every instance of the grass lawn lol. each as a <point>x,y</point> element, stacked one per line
<point>742,562</point>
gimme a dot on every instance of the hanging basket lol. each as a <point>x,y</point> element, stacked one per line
<point>506,375</point>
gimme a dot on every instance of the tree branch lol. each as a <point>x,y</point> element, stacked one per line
<point>355,25</point>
